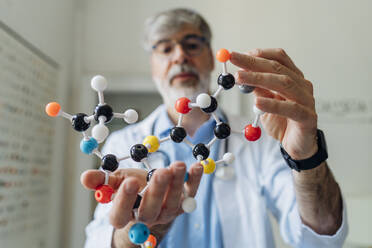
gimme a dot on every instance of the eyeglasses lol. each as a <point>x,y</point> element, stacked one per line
<point>191,44</point>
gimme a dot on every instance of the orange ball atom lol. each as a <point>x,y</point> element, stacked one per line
<point>152,240</point>
<point>223,55</point>
<point>52,109</point>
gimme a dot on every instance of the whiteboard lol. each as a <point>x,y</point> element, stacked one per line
<point>347,122</point>
<point>28,79</point>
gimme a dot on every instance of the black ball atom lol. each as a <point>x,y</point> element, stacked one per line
<point>78,122</point>
<point>149,175</point>
<point>222,130</point>
<point>138,152</point>
<point>110,163</point>
<point>138,201</point>
<point>202,150</point>
<point>211,107</point>
<point>178,134</point>
<point>246,89</point>
<point>226,81</point>
<point>104,110</point>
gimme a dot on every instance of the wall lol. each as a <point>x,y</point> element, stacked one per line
<point>48,25</point>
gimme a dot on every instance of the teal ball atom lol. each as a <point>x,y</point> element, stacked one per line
<point>186,177</point>
<point>138,233</point>
<point>87,146</point>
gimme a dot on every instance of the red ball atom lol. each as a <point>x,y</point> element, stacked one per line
<point>182,105</point>
<point>103,193</point>
<point>252,133</point>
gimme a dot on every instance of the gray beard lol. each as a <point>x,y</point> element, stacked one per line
<point>171,94</point>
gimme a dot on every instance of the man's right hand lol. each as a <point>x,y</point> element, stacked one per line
<point>162,200</point>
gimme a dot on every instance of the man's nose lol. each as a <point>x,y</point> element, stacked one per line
<point>179,55</point>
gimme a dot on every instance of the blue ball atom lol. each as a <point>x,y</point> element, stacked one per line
<point>87,146</point>
<point>138,233</point>
<point>186,177</point>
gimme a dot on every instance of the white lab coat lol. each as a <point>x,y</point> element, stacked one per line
<point>262,182</point>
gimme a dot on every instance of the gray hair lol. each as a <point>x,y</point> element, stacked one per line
<point>170,21</point>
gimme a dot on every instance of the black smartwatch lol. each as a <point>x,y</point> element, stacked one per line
<point>309,163</point>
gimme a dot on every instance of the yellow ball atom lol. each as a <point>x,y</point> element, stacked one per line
<point>209,165</point>
<point>152,143</point>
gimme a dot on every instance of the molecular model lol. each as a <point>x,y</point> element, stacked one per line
<point>139,233</point>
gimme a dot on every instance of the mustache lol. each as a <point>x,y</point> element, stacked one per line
<point>177,69</point>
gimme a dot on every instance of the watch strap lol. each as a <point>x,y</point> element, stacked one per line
<point>309,163</point>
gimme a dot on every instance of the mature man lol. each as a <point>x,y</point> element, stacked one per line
<point>232,213</point>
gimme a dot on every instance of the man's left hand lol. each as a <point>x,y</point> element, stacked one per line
<point>285,95</point>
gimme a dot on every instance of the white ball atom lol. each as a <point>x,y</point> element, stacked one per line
<point>203,100</point>
<point>189,204</point>
<point>98,83</point>
<point>257,111</point>
<point>130,116</point>
<point>228,158</point>
<point>100,132</point>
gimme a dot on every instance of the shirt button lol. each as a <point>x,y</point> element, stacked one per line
<point>196,226</point>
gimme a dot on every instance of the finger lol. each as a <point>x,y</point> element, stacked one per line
<point>121,212</point>
<point>258,64</point>
<point>91,179</point>
<point>152,200</point>
<point>289,109</point>
<point>195,175</point>
<point>277,54</point>
<point>174,193</point>
<point>263,93</point>
<point>282,84</point>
